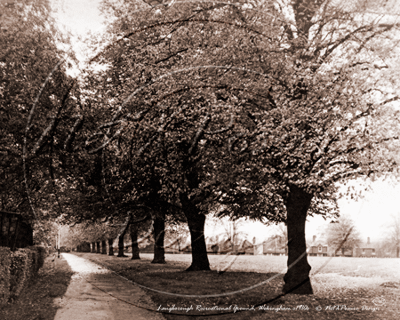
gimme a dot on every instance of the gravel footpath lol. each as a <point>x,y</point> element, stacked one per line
<point>95,293</point>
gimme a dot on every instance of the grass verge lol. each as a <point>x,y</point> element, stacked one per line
<point>336,296</point>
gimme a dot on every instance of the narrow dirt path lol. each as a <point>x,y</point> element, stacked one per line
<point>95,293</point>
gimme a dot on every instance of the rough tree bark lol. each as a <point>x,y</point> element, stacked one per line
<point>297,279</point>
<point>195,218</point>
<point>122,235</point>
<point>134,238</point>
<point>196,221</point>
<point>121,245</point>
<point>159,227</point>
<point>98,247</point>
<point>103,247</point>
<point>110,247</point>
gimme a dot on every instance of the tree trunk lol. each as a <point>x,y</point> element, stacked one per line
<point>103,247</point>
<point>110,247</point>
<point>122,235</point>
<point>159,230</point>
<point>93,247</point>
<point>135,245</point>
<point>297,279</point>
<point>98,247</point>
<point>196,221</point>
<point>121,246</point>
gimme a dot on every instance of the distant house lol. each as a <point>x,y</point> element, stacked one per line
<point>318,248</point>
<point>225,246</point>
<point>178,245</point>
<point>216,246</point>
<point>388,250</point>
<point>367,250</point>
<point>275,246</point>
<point>344,252</point>
<point>246,247</point>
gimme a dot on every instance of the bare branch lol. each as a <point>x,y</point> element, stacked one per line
<point>170,56</point>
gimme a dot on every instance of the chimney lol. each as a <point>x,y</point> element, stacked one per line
<point>368,240</point>
<point>314,238</point>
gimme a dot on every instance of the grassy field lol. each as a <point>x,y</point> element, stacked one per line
<point>344,288</point>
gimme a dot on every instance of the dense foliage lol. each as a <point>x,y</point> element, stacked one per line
<point>34,96</point>
<point>258,110</point>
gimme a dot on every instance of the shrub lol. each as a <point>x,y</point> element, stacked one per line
<point>17,269</point>
<point>39,254</point>
<point>22,262</point>
<point>5,263</point>
<point>25,263</point>
<point>42,254</point>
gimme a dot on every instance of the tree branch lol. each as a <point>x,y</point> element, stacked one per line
<point>170,56</point>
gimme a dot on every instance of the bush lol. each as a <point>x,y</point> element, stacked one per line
<point>17,269</point>
<point>40,253</point>
<point>25,264</point>
<point>5,263</point>
<point>22,262</point>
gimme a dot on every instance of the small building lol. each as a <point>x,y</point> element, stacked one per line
<point>217,246</point>
<point>225,246</point>
<point>275,246</point>
<point>388,250</point>
<point>246,247</point>
<point>345,252</point>
<point>318,248</point>
<point>367,250</point>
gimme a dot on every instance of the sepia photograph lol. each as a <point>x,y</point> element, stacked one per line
<point>199,159</point>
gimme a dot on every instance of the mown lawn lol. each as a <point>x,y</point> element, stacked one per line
<point>344,288</point>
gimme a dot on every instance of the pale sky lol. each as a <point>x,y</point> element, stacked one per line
<point>372,214</point>
<point>79,16</point>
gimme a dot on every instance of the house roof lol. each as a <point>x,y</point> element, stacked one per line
<point>318,244</point>
<point>366,245</point>
<point>274,244</point>
<point>320,241</point>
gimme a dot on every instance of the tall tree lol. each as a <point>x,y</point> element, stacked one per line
<point>342,234</point>
<point>173,165</point>
<point>332,111</point>
<point>393,238</point>
<point>28,111</point>
<point>316,115</point>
